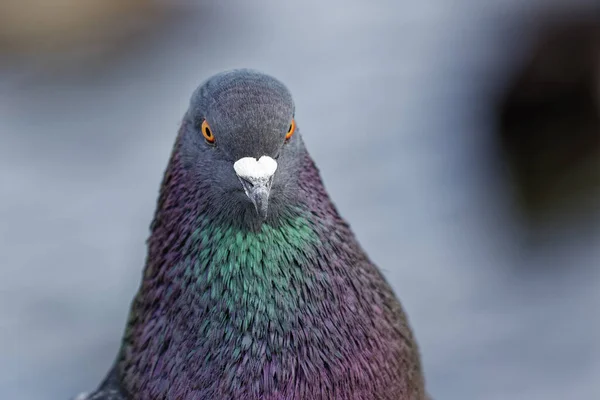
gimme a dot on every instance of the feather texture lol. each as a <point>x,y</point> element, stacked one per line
<point>286,308</point>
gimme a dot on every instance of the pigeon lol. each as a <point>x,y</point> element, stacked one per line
<point>254,286</point>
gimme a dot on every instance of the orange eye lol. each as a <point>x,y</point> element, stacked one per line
<point>291,130</point>
<point>207,133</point>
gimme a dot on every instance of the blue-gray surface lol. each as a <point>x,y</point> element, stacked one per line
<point>389,99</point>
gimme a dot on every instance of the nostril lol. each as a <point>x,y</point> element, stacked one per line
<point>247,182</point>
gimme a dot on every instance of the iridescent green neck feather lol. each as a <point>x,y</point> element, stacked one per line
<point>260,271</point>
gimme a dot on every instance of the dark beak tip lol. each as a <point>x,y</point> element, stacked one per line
<point>262,214</point>
<point>260,198</point>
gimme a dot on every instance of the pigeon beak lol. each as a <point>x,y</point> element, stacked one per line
<point>256,177</point>
<point>258,192</point>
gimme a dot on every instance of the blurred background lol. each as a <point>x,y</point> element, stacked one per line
<point>478,192</point>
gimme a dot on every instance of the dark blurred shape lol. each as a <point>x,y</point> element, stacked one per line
<point>55,29</point>
<point>549,118</point>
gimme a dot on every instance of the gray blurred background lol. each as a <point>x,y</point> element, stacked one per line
<point>403,106</point>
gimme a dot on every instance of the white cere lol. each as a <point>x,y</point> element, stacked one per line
<point>251,169</point>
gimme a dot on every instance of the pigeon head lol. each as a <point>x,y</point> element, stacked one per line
<point>239,143</point>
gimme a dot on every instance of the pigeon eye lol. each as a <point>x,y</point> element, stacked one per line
<point>207,133</point>
<point>291,130</point>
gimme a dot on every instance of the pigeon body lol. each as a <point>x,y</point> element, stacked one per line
<point>254,286</point>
